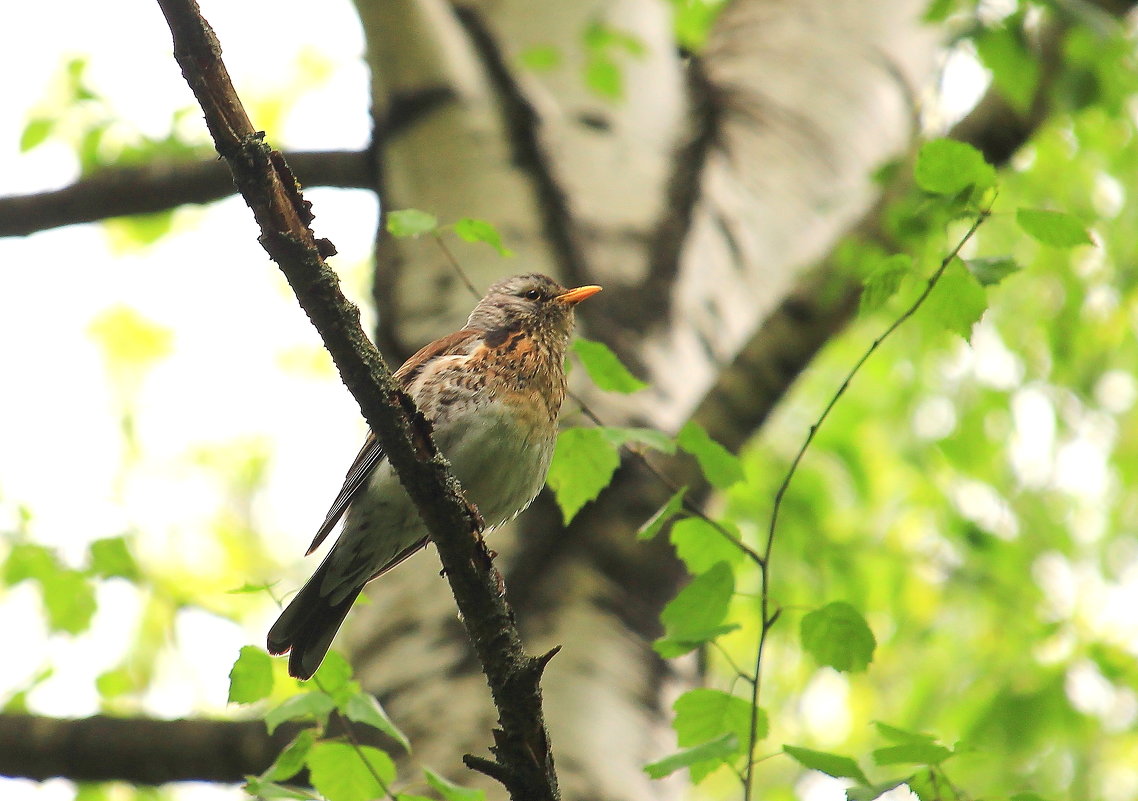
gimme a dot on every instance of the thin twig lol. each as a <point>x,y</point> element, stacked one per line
<point>691,507</point>
<point>768,618</point>
<point>739,672</point>
<point>455,265</point>
<point>358,748</point>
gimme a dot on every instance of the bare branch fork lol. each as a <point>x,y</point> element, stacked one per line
<point>524,761</point>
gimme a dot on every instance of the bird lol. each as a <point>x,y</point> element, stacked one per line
<point>492,392</point>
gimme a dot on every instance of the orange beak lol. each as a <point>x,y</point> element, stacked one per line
<point>574,296</point>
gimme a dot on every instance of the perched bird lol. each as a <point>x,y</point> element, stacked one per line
<point>492,392</point>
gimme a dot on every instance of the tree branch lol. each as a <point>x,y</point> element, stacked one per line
<point>138,750</point>
<point>522,749</point>
<point>119,191</point>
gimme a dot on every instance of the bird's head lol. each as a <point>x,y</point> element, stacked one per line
<point>531,302</point>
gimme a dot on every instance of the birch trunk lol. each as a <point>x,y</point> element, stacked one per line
<point>697,198</point>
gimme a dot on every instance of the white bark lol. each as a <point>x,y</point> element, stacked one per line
<point>813,95</point>
<point>819,94</point>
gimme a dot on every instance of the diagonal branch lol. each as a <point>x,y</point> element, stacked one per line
<point>524,757</point>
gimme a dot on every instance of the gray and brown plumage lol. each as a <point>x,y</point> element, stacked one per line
<point>492,392</point>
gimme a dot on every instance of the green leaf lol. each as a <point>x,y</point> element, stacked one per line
<point>315,705</point>
<point>605,369</point>
<point>451,791</point>
<point>938,10</point>
<point>840,767</point>
<point>665,513</point>
<point>695,615</point>
<point>948,167</point>
<point>473,230</point>
<point>884,280</point>
<point>410,222</point>
<point>139,230</point>
<point>129,340</point>
<point>341,772</point>
<point>28,561</point>
<point>1015,71</point>
<point>69,599</point>
<point>89,148</point>
<point>582,466</point>
<point>17,702</point>
<point>541,58</point>
<point>899,735</point>
<point>672,647</point>
<point>603,76</point>
<point>871,792</point>
<point>918,753</point>
<point>700,545</point>
<point>957,301</point>
<point>333,674</point>
<point>691,22</point>
<point>924,784</point>
<point>717,750</point>
<point>837,635</point>
<point>292,758</point>
<point>721,467</point>
<point>258,788</point>
<point>251,677</point>
<point>598,37</point>
<point>992,271</point>
<point>657,440</point>
<point>111,557</point>
<point>704,714</point>
<point>363,707</point>
<point>1027,797</point>
<point>116,682</point>
<point>248,588</point>
<point>1055,228</point>
<point>35,133</point>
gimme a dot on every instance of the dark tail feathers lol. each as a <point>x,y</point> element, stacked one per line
<point>307,626</point>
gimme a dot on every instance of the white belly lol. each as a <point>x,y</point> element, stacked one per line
<point>501,469</point>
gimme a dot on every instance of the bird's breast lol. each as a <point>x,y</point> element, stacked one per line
<point>500,452</point>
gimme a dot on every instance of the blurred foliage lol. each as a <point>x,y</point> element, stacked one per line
<point>74,112</point>
<point>953,579</point>
<point>977,503</point>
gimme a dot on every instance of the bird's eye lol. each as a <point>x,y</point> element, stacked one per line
<point>532,294</point>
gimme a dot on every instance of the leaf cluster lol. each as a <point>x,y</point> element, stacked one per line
<point>339,767</point>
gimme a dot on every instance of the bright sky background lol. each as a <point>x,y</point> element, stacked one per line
<point>61,452</point>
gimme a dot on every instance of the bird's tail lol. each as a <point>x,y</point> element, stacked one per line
<point>307,626</point>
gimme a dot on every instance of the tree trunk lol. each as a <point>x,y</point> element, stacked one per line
<point>696,198</point>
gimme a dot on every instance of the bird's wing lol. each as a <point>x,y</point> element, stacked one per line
<point>370,455</point>
<point>372,452</point>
